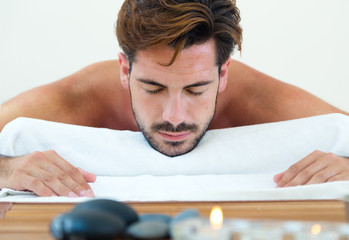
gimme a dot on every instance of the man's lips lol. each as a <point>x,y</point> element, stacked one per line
<point>174,136</point>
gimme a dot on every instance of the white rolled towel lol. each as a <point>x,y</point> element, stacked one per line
<point>263,148</point>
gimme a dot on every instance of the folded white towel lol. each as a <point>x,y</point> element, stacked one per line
<point>264,148</point>
<point>228,164</point>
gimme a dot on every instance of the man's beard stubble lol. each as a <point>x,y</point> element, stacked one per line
<point>172,146</point>
<point>169,127</point>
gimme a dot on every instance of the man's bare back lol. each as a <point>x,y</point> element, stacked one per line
<point>95,97</point>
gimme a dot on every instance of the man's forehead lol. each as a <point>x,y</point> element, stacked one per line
<point>195,58</point>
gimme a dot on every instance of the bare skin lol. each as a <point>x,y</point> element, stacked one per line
<point>96,97</point>
<point>250,97</point>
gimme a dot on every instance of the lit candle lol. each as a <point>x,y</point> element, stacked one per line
<point>216,218</point>
<point>213,230</point>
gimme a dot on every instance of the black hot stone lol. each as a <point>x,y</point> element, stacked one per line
<point>88,225</point>
<point>110,206</point>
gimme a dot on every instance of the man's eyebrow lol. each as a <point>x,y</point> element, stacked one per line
<point>150,82</point>
<point>198,84</point>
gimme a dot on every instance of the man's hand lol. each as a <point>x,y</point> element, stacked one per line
<point>318,167</point>
<point>46,174</point>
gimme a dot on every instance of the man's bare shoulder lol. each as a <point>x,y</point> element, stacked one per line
<point>88,97</point>
<point>252,97</point>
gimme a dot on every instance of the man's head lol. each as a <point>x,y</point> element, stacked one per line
<point>179,24</point>
<point>177,58</point>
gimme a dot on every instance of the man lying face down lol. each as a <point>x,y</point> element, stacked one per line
<point>174,66</point>
<point>174,81</point>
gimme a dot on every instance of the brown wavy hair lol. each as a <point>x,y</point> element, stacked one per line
<point>179,24</point>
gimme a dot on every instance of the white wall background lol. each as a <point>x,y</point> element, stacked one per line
<point>302,42</point>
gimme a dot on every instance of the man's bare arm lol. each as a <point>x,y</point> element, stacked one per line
<point>70,100</point>
<point>258,98</point>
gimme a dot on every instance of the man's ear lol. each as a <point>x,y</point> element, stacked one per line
<point>124,70</point>
<point>224,76</point>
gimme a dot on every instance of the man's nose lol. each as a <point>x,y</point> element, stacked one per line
<point>174,110</point>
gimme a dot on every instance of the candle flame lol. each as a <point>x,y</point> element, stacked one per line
<point>316,229</point>
<point>216,217</point>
